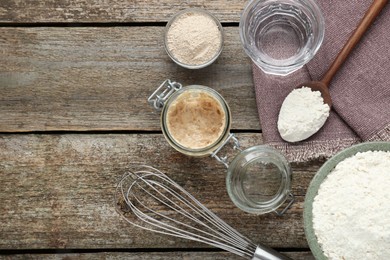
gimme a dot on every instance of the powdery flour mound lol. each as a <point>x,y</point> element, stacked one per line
<point>351,213</point>
<point>302,114</point>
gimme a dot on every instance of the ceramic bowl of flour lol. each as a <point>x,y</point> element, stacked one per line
<point>193,38</point>
<point>316,189</point>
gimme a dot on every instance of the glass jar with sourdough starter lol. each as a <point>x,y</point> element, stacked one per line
<point>195,121</point>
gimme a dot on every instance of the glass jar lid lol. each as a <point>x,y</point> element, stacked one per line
<point>259,180</point>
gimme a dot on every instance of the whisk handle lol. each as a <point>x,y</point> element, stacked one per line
<point>265,253</point>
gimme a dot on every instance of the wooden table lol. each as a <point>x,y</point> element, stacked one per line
<point>74,79</point>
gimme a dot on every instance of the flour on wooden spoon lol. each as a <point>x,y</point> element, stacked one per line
<point>302,114</point>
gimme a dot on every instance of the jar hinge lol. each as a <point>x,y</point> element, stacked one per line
<point>292,199</point>
<point>223,159</point>
<point>162,93</point>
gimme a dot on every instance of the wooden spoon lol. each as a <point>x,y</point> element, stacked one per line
<point>302,129</point>
<point>368,19</point>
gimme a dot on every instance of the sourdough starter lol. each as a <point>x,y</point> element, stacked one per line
<point>196,119</point>
<point>351,213</point>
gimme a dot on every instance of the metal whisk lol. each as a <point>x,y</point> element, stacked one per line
<point>149,199</point>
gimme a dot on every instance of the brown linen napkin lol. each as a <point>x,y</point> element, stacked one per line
<point>360,90</point>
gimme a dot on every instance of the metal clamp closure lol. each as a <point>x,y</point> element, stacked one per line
<point>292,199</point>
<point>162,93</point>
<point>224,158</point>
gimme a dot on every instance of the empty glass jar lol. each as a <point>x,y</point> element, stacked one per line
<point>259,179</point>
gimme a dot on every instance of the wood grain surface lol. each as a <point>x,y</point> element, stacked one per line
<point>89,78</point>
<point>74,79</point>
<point>57,192</point>
<point>106,11</point>
<point>148,256</point>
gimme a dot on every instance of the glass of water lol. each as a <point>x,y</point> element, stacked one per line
<point>280,36</point>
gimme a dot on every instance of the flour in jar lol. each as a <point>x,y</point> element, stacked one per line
<point>194,38</point>
<point>302,114</point>
<point>351,212</point>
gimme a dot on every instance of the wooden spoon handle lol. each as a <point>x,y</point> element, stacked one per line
<point>367,20</point>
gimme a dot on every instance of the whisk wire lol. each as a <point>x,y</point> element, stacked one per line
<point>206,212</point>
<point>177,232</point>
<point>218,233</point>
<point>181,210</point>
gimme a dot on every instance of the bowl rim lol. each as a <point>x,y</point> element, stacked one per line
<point>316,182</point>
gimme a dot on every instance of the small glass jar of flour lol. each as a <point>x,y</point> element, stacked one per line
<point>195,120</point>
<point>193,38</point>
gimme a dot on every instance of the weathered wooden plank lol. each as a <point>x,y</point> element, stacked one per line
<point>148,256</point>
<point>99,78</point>
<point>57,192</point>
<point>111,10</point>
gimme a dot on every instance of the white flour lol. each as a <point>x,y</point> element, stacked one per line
<point>351,213</point>
<point>194,38</point>
<point>302,114</point>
